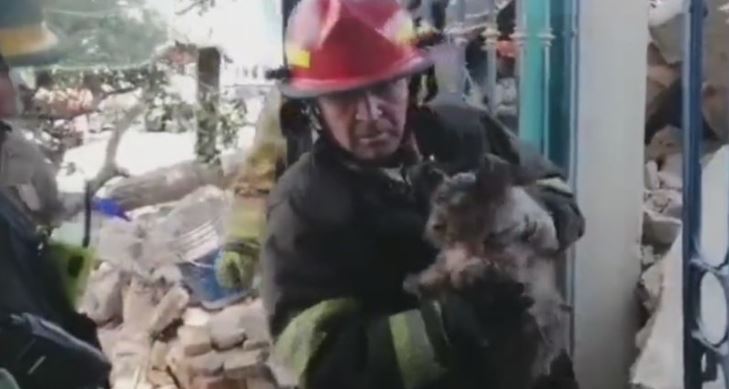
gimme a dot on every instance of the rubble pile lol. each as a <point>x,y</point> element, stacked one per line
<point>659,364</point>
<point>662,207</point>
<point>153,327</point>
<point>157,337</point>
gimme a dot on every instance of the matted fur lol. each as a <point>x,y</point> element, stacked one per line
<point>477,220</point>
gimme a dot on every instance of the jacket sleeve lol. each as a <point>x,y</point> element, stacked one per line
<point>550,190</point>
<point>322,332</point>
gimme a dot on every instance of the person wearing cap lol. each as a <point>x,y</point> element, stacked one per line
<point>345,221</point>
<point>39,277</point>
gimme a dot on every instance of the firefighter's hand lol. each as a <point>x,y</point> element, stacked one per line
<point>234,270</point>
<point>481,322</point>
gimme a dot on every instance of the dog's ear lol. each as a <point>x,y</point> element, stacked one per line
<point>426,177</point>
<point>494,176</point>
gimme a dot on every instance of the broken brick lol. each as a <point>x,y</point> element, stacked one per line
<point>169,309</point>
<point>159,378</point>
<point>226,330</point>
<point>253,344</point>
<point>208,364</point>
<point>219,382</point>
<point>158,355</point>
<point>259,383</point>
<point>195,340</point>
<point>177,365</point>
<point>243,364</point>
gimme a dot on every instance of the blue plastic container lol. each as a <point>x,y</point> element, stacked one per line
<point>199,277</point>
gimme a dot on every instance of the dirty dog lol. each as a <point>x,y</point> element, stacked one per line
<point>471,221</point>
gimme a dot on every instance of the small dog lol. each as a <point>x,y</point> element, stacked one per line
<point>472,221</point>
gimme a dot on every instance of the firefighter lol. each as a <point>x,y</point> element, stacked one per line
<point>344,223</point>
<point>238,261</point>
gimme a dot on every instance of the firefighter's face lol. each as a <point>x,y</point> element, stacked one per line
<point>8,102</point>
<point>368,123</point>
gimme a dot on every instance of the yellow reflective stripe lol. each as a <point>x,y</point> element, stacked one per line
<point>413,350</point>
<point>303,336</point>
<point>297,56</point>
<point>75,265</point>
<point>247,220</point>
<point>555,183</point>
<point>7,381</point>
<point>26,40</point>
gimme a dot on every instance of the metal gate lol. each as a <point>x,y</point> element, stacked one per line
<point>703,357</point>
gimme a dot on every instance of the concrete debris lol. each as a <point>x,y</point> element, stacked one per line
<point>160,378</point>
<point>102,301</point>
<point>158,355</point>
<point>670,181</point>
<point>666,201</point>
<point>139,305</point>
<point>650,287</point>
<point>660,363</point>
<point>673,164</point>
<point>229,349</point>
<point>196,317</point>
<point>664,143</point>
<point>128,354</point>
<point>659,229</point>
<point>208,364</point>
<point>241,364</point>
<point>213,383</point>
<point>253,318</point>
<point>195,340</point>
<point>226,330</point>
<point>259,383</point>
<point>651,175</point>
<point>169,309</point>
<point>253,344</point>
<point>648,256</point>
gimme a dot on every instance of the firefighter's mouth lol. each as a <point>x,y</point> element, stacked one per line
<point>376,137</point>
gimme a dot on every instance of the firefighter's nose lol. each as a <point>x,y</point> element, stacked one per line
<point>369,107</point>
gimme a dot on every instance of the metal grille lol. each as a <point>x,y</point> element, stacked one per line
<point>703,356</point>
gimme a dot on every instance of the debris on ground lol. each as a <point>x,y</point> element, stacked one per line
<point>660,341</point>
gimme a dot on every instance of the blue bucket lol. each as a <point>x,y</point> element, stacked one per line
<point>200,277</point>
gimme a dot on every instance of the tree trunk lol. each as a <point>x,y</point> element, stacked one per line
<point>173,182</point>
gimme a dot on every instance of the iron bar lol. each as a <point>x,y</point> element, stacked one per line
<point>691,238</point>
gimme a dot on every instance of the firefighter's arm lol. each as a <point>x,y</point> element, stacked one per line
<point>236,266</point>
<point>550,190</point>
<point>325,336</point>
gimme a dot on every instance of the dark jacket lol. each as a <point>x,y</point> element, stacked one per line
<point>340,241</point>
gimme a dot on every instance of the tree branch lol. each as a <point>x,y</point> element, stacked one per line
<point>109,169</point>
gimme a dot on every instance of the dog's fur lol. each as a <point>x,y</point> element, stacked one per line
<point>474,220</point>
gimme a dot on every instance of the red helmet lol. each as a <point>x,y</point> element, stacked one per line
<point>340,45</point>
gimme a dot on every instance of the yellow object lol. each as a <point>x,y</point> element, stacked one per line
<point>30,44</point>
<point>298,57</point>
<point>252,184</point>
<point>74,264</point>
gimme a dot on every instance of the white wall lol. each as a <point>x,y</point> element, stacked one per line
<point>611,100</point>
